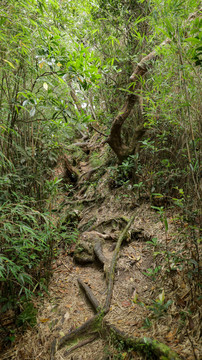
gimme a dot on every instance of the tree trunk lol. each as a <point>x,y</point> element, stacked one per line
<point>115,139</point>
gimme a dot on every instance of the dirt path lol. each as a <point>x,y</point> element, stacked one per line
<point>135,290</point>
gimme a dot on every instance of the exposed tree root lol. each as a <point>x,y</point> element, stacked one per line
<point>99,254</point>
<point>80,344</point>
<point>152,349</point>
<point>118,220</point>
<point>92,299</point>
<point>70,172</point>
<point>80,201</point>
<point>113,264</point>
<point>88,174</point>
<point>88,328</point>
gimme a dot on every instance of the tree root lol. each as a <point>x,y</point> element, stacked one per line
<point>113,264</point>
<point>91,298</point>
<point>88,174</point>
<point>80,344</point>
<point>80,201</point>
<point>152,349</point>
<point>119,220</point>
<point>88,328</point>
<point>99,254</point>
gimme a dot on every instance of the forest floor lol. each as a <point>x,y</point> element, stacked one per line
<point>151,303</point>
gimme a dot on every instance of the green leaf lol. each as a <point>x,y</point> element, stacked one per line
<point>193,40</point>
<point>10,63</point>
<point>166,224</point>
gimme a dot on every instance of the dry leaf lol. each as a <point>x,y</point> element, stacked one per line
<point>170,336</point>
<point>67,315</point>
<point>126,303</point>
<point>41,64</point>
<point>44,320</point>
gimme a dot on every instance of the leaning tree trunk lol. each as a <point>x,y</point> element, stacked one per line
<point>115,139</point>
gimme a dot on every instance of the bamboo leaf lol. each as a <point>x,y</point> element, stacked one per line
<point>10,63</point>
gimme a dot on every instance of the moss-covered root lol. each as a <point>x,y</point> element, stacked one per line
<point>114,262</point>
<point>152,349</point>
<point>90,326</point>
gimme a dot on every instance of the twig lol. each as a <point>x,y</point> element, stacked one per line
<point>98,131</point>
<point>192,345</point>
